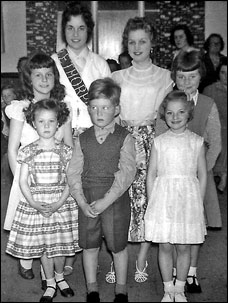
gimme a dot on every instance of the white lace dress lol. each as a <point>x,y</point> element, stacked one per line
<point>175,212</point>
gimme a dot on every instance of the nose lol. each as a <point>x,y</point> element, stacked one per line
<point>46,124</point>
<point>99,112</point>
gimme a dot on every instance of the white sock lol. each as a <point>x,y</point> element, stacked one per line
<point>179,286</point>
<point>58,277</point>
<point>174,271</point>
<point>168,287</point>
<point>50,291</point>
<point>27,264</point>
<point>191,272</point>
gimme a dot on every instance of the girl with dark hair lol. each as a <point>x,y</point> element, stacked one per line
<point>77,64</point>
<point>182,38</point>
<point>46,219</point>
<point>40,80</point>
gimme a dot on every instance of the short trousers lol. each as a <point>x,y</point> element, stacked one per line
<point>112,224</point>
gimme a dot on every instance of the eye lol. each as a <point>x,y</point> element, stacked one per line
<point>50,75</point>
<point>82,28</point>
<point>105,107</point>
<point>69,28</point>
<point>168,113</point>
<point>93,108</point>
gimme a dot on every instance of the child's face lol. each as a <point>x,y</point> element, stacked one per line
<point>176,115</point>
<point>139,45</point>
<point>102,111</point>
<point>76,33</point>
<point>8,95</point>
<point>43,81</point>
<point>188,81</point>
<point>45,123</point>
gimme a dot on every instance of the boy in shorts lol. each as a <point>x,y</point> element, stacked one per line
<point>100,172</point>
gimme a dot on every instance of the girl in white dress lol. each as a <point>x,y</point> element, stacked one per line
<point>46,224</point>
<point>176,184</point>
<point>40,80</point>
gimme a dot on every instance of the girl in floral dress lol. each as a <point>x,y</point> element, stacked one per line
<point>45,224</point>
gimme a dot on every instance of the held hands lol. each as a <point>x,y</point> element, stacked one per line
<point>98,206</point>
<point>88,210</point>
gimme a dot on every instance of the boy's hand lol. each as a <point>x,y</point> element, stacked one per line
<point>99,206</point>
<point>88,211</point>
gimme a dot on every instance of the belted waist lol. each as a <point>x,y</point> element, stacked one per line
<point>136,123</point>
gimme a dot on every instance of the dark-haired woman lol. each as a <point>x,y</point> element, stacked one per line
<point>83,65</point>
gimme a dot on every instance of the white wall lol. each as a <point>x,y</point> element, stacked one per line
<point>216,20</point>
<point>14,25</point>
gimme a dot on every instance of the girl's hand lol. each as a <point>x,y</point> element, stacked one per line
<point>43,208</point>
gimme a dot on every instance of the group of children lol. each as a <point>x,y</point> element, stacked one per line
<point>73,195</point>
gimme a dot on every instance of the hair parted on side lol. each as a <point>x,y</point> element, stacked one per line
<point>174,96</point>
<point>74,8</point>
<point>136,23</point>
<point>105,88</point>
<point>36,61</point>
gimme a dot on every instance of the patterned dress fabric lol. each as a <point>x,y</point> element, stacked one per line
<point>175,211</point>
<point>142,91</point>
<point>32,234</point>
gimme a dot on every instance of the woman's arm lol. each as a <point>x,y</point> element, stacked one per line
<point>67,137</point>
<point>15,132</point>
<point>152,171</point>
<point>202,171</point>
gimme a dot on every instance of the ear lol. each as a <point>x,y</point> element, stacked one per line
<point>117,110</point>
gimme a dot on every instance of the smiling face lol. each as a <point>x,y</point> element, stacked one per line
<point>45,123</point>
<point>43,81</point>
<point>76,33</point>
<point>8,95</point>
<point>188,81</point>
<point>102,111</point>
<point>177,115</point>
<point>139,45</point>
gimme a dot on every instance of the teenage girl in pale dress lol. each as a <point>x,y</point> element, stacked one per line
<point>143,87</point>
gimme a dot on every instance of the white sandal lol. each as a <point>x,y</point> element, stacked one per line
<point>68,270</point>
<point>141,276</point>
<point>111,275</point>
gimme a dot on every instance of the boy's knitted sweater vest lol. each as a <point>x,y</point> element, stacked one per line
<point>101,160</point>
<point>201,113</point>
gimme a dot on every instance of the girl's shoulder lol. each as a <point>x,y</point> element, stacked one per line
<point>15,109</point>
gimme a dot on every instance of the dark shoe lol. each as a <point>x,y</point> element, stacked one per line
<point>66,292</point>
<point>47,299</point>
<point>93,297</point>
<point>214,228</point>
<point>121,298</point>
<point>25,273</point>
<point>193,287</point>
